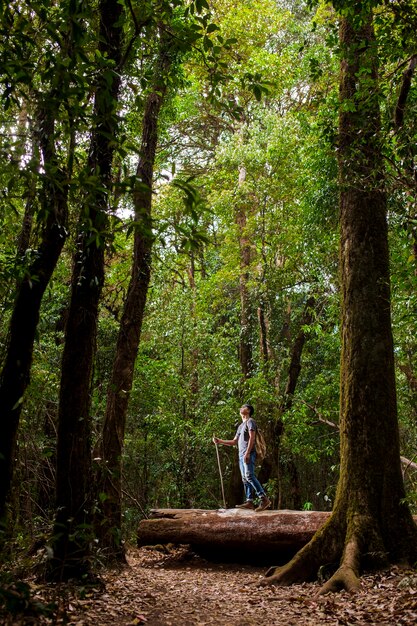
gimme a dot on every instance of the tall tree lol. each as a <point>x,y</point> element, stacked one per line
<point>271,463</point>
<point>109,527</point>
<point>72,528</point>
<point>370,522</point>
<point>56,78</point>
<point>242,212</point>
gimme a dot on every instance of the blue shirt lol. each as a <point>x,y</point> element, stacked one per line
<point>242,435</point>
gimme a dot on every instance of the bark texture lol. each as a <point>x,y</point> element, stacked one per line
<point>233,532</point>
<point>109,528</point>
<point>72,529</point>
<point>15,375</point>
<point>409,161</point>
<point>245,252</point>
<point>404,92</point>
<point>370,524</point>
<point>271,466</point>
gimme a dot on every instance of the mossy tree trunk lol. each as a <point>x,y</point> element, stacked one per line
<point>370,524</point>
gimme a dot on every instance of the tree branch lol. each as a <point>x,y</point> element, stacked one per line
<point>322,420</point>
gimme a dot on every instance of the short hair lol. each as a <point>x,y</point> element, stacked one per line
<point>250,407</point>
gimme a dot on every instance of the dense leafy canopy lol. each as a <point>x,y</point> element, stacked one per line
<point>249,128</point>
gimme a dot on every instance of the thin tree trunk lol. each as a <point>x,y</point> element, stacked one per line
<point>194,382</point>
<point>409,162</point>
<point>128,339</point>
<point>411,377</point>
<point>30,204</point>
<point>235,488</point>
<point>271,464</point>
<point>245,250</point>
<point>404,92</point>
<point>296,354</point>
<point>263,335</point>
<point>15,375</point>
<point>72,529</point>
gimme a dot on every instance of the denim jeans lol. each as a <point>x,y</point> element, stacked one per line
<point>250,482</point>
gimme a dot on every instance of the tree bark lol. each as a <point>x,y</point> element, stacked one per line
<point>15,375</point>
<point>245,250</point>
<point>297,351</point>
<point>409,161</point>
<point>370,523</point>
<point>109,526</point>
<point>72,529</point>
<point>233,533</point>
<point>263,335</point>
<point>271,466</point>
<point>235,487</point>
<point>23,239</point>
<point>404,92</point>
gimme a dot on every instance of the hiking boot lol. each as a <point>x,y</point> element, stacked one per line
<point>246,505</point>
<point>265,503</point>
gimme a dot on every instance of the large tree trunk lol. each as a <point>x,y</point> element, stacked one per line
<point>370,523</point>
<point>109,527</point>
<point>15,374</point>
<point>233,533</point>
<point>72,529</point>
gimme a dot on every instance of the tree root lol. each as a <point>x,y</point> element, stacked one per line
<point>303,567</point>
<point>347,576</point>
<point>297,570</point>
<point>327,544</point>
<point>344,578</point>
<point>346,542</point>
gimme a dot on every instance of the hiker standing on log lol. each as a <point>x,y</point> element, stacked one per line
<point>245,438</point>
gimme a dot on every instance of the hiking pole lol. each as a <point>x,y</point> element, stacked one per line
<point>220,472</point>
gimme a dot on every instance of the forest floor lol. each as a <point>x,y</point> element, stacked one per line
<point>176,587</point>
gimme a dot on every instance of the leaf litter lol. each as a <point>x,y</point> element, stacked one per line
<point>174,586</point>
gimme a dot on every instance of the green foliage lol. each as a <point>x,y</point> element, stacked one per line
<point>254,89</point>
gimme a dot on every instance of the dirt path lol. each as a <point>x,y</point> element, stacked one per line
<point>181,589</point>
<point>178,588</point>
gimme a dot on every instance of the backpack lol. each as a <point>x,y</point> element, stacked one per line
<point>260,444</point>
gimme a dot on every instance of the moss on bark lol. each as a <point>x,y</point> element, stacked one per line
<point>371,525</point>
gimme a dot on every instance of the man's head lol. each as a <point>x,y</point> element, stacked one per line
<point>246,411</point>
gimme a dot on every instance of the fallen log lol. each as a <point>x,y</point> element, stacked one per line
<point>233,534</point>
